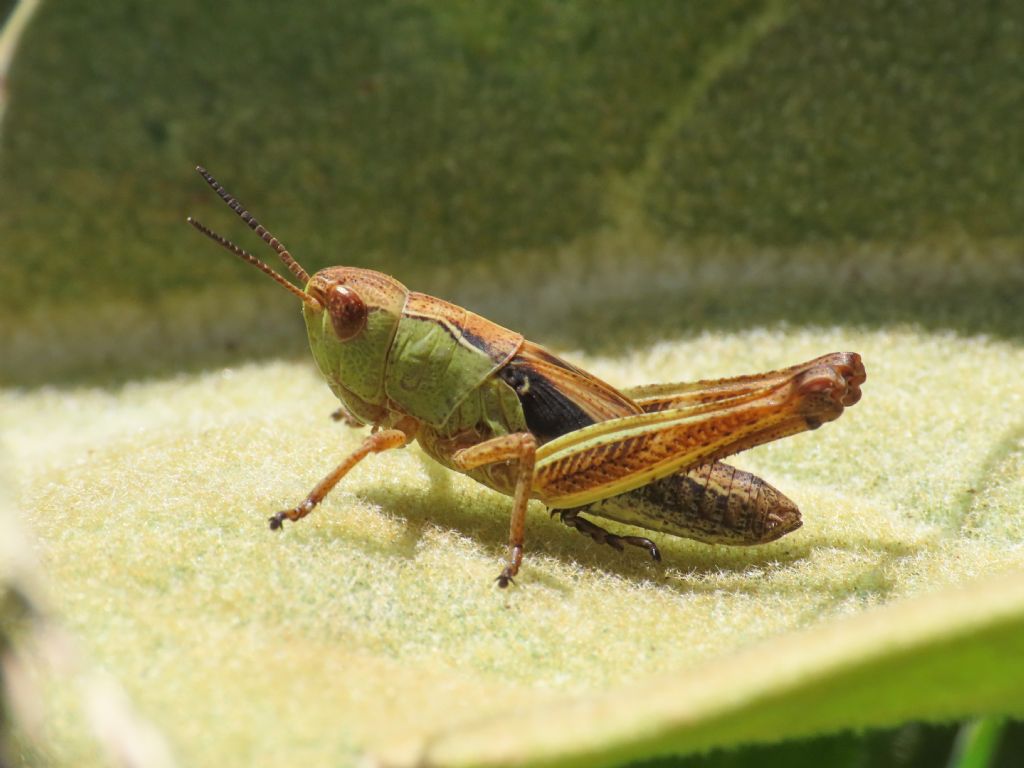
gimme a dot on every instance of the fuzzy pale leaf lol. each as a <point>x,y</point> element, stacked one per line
<point>374,624</point>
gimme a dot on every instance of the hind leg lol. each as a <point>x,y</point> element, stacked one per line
<point>571,518</point>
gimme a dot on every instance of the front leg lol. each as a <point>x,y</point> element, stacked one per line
<point>520,447</point>
<point>375,443</point>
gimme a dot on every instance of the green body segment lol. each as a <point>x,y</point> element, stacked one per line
<point>430,373</point>
<point>441,353</point>
<point>441,372</point>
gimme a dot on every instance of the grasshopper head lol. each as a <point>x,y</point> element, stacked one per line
<point>351,315</point>
<point>347,298</point>
<point>351,329</point>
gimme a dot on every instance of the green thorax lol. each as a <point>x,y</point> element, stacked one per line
<point>440,354</point>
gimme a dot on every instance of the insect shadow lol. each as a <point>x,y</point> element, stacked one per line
<point>686,567</point>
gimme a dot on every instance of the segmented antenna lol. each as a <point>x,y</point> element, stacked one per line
<point>260,265</point>
<point>294,266</point>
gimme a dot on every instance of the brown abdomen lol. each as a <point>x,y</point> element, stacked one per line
<point>715,503</point>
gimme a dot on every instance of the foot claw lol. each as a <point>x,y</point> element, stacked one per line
<point>504,580</point>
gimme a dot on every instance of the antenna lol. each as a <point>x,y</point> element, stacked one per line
<point>294,266</point>
<point>260,265</point>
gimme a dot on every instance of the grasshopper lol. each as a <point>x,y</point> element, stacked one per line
<point>482,400</point>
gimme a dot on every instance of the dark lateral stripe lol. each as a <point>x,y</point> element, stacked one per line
<point>477,342</point>
<point>498,349</point>
<point>549,411</point>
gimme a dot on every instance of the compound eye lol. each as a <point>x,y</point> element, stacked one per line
<point>348,313</point>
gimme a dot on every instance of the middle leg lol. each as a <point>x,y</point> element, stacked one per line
<point>520,447</point>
